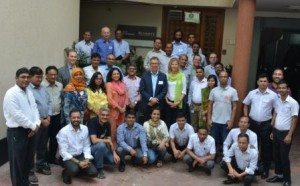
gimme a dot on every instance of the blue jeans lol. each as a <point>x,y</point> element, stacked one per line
<point>219,132</point>
<point>156,154</point>
<point>136,160</point>
<point>189,161</point>
<point>102,155</point>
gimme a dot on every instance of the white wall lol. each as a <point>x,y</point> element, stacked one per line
<point>34,33</point>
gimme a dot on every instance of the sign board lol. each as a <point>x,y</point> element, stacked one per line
<point>192,17</point>
<point>138,32</point>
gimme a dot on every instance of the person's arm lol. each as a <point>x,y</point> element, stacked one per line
<point>121,139</point>
<point>246,110</point>
<point>288,137</point>
<point>63,144</point>
<point>143,141</point>
<point>227,142</point>
<point>145,95</point>
<point>86,144</point>
<point>110,98</point>
<point>209,113</point>
<point>230,122</point>
<point>190,94</point>
<point>252,166</point>
<point>164,90</point>
<point>66,107</point>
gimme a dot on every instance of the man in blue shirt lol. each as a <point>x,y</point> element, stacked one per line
<point>132,141</point>
<point>104,45</point>
<point>121,48</point>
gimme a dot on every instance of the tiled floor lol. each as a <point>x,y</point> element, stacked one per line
<point>171,174</point>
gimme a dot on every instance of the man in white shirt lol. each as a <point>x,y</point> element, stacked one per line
<point>94,67</point>
<point>244,166</point>
<point>262,101</point>
<point>121,49</point>
<point>85,47</point>
<point>284,123</point>
<point>74,148</point>
<point>180,133</point>
<point>165,58</point>
<point>155,52</point>
<point>195,51</point>
<point>201,151</point>
<point>195,98</point>
<point>210,68</point>
<point>23,121</point>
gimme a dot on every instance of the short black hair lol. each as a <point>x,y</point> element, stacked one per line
<point>73,111</point>
<point>158,38</point>
<point>35,71</point>
<point>94,55</point>
<point>219,63</point>
<point>195,43</point>
<point>109,74</point>
<point>155,108</point>
<point>199,67</point>
<point>87,31</point>
<point>52,67</point>
<point>178,30</point>
<point>22,70</point>
<point>243,135</point>
<point>118,29</point>
<point>132,64</point>
<point>180,115</point>
<point>283,82</point>
<point>202,128</point>
<point>130,112</point>
<point>263,75</point>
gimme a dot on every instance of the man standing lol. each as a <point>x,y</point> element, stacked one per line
<point>221,109</point>
<point>262,101</point>
<point>180,133</point>
<point>85,46</point>
<point>74,148</point>
<point>196,64</point>
<point>102,147</point>
<point>219,67</point>
<point>195,51</point>
<point>190,40</point>
<point>201,151</point>
<point>179,47</point>
<point>110,63</point>
<point>43,102</point>
<point>94,67</point>
<point>244,166</point>
<point>210,68</point>
<point>104,45</point>
<point>284,123</point>
<point>54,89</point>
<point>165,59</point>
<point>156,51</point>
<point>195,98</point>
<point>64,73</point>
<point>23,121</point>
<point>121,48</point>
<point>132,141</point>
<point>153,88</point>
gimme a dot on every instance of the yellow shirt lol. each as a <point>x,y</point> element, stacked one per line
<point>96,100</point>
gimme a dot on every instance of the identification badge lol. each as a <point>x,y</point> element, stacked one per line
<point>160,82</point>
<point>110,47</point>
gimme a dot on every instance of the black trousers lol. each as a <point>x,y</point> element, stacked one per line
<point>53,129</point>
<point>247,179</point>
<point>171,114</point>
<point>72,169</point>
<point>181,148</point>
<point>281,152</point>
<point>21,155</point>
<point>263,131</point>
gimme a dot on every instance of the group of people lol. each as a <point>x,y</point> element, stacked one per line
<point>96,115</point>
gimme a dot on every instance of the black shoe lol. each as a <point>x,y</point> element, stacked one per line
<point>264,175</point>
<point>287,183</point>
<point>44,170</point>
<point>208,172</point>
<point>274,179</point>
<point>191,168</point>
<point>54,161</point>
<point>174,160</point>
<point>229,182</point>
<point>66,179</point>
<point>122,167</point>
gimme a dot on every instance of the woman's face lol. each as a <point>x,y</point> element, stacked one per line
<point>78,77</point>
<point>98,80</point>
<point>174,66</point>
<point>155,115</point>
<point>115,75</point>
<point>211,83</point>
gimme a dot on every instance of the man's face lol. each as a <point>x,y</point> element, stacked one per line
<point>181,122</point>
<point>213,58</point>
<point>178,36</point>
<point>199,74</point>
<point>218,69</point>
<point>51,76</point>
<point>196,61</point>
<point>130,119</point>
<point>103,117</point>
<point>36,80</point>
<point>244,123</point>
<point>157,44</point>
<point>283,89</point>
<point>202,134</point>
<point>277,76</point>
<point>23,80</point>
<point>131,71</point>
<point>154,64</point>
<point>105,33</point>
<point>75,119</point>
<point>191,39</point>
<point>169,49</point>
<point>195,48</point>
<point>119,35</point>
<point>223,77</point>
<point>95,62</point>
<point>72,58</point>
<point>87,36</point>
<point>182,61</point>
<point>262,83</point>
<point>243,143</point>
<point>110,60</point>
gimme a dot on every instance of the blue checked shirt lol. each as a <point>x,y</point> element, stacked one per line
<point>132,138</point>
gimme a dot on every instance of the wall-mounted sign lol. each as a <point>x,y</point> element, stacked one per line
<point>138,32</point>
<point>192,17</point>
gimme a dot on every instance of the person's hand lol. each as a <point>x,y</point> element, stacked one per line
<point>116,158</point>
<point>229,124</point>
<point>84,164</point>
<point>161,145</point>
<point>176,153</point>
<point>33,132</point>
<point>154,101</point>
<point>231,173</point>
<point>209,123</point>
<point>181,154</point>
<point>45,122</point>
<point>288,139</point>
<point>201,161</point>
<point>131,105</point>
<point>132,152</point>
<point>145,160</point>
<point>271,136</point>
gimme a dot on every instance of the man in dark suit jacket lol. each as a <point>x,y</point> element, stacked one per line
<point>153,88</point>
<point>64,73</point>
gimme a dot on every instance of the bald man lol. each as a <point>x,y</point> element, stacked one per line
<point>104,45</point>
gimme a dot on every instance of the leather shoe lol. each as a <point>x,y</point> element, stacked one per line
<point>286,183</point>
<point>264,175</point>
<point>66,179</point>
<point>229,182</point>
<point>122,167</point>
<point>274,179</point>
<point>191,168</point>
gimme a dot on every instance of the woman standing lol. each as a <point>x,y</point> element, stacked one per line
<point>75,95</point>
<point>176,91</point>
<point>212,82</point>
<point>157,137</point>
<point>96,95</point>
<point>117,100</point>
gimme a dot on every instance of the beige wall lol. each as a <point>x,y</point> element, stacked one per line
<point>34,32</point>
